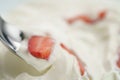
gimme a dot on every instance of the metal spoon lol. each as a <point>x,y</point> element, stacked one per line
<point>11,36</point>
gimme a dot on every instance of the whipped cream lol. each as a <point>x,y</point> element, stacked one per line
<point>95,44</point>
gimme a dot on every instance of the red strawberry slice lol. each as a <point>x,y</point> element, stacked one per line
<point>118,63</point>
<point>118,60</point>
<point>82,69</point>
<point>84,18</point>
<point>68,50</point>
<point>101,15</point>
<point>40,46</point>
<point>87,19</point>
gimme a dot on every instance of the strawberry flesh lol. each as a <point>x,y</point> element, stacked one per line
<point>81,67</point>
<point>87,19</point>
<point>101,15</point>
<point>118,60</point>
<point>80,17</point>
<point>40,46</point>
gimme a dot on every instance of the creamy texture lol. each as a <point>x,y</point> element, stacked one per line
<point>95,44</point>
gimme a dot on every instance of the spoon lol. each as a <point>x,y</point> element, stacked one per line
<point>11,36</point>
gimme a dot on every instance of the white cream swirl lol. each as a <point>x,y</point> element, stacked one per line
<point>95,44</point>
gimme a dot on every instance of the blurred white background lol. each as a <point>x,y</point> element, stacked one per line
<point>6,5</point>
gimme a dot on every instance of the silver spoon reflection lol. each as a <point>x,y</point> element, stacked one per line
<point>10,36</point>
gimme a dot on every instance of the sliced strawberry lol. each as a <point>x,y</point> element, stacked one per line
<point>102,15</point>
<point>87,18</point>
<point>80,17</point>
<point>64,47</point>
<point>118,60</point>
<point>118,63</point>
<point>82,69</point>
<point>40,46</point>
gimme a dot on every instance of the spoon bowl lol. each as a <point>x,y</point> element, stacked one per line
<point>11,36</point>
